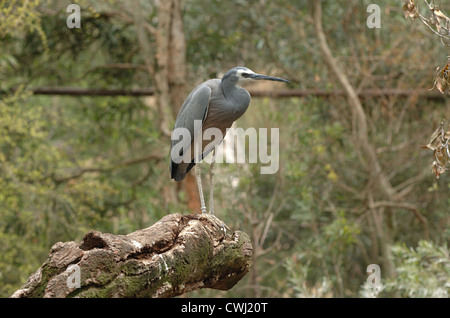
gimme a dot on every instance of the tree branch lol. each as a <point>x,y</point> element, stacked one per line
<point>176,255</point>
<point>372,163</point>
<point>407,206</point>
<point>151,157</point>
<point>279,93</point>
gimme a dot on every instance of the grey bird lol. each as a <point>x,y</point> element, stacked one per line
<point>216,103</point>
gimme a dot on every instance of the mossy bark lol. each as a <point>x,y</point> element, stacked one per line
<point>176,255</point>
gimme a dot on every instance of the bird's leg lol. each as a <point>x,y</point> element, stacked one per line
<point>216,221</point>
<point>211,180</point>
<point>198,175</point>
<point>210,216</point>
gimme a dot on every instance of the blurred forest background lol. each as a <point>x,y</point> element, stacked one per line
<point>354,186</point>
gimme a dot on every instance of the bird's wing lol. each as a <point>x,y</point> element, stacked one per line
<point>195,107</point>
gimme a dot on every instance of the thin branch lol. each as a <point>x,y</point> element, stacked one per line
<point>407,206</point>
<point>128,19</point>
<point>82,171</point>
<point>280,93</point>
<point>370,159</point>
<point>417,178</point>
<point>122,66</point>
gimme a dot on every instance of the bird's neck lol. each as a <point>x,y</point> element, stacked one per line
<point>229,88</point>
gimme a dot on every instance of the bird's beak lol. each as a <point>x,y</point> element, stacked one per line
<point>266,77</point>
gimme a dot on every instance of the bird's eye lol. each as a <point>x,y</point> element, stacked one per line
<point>244,75</point>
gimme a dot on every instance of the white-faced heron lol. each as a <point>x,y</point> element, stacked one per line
<point>216,103</point>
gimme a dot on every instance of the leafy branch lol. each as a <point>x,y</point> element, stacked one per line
<point>439,24</point>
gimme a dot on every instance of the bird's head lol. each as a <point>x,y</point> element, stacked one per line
<point>240,74</point>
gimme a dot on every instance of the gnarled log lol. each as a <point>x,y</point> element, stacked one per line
<point>178,254</point>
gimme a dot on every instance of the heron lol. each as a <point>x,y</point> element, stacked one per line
<point>216,103</point>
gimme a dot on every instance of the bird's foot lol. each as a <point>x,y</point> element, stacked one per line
<point>218,224</point>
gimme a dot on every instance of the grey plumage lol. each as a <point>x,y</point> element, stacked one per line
<point>195,107</point>
<point>217,103</point>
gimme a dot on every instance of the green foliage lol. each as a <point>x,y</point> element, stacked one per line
<point>72,164</point>
<point>20,16</point>
<point>21,134</point>
<point>299,269</point>
<point>421,272</point>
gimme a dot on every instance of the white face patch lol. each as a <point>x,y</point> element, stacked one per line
<point>239,74</point>
<point>241,78</point>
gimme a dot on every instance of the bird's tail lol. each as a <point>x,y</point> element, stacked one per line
<point>179,170</point>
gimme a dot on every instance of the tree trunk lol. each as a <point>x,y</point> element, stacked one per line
<point>178,254</point>
<point>378,181</point>
<point>171,77</point>
<point>177,78</point>
<point>177,70</point>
